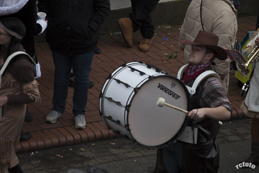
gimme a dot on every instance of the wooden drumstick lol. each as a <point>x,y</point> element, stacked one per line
<point>161,102</point>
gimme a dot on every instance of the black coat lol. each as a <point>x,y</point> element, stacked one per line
<point>73,25</point>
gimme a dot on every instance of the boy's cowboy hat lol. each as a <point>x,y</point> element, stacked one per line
<point>210,41</point>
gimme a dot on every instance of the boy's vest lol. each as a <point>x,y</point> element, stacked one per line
<point>205,129</point>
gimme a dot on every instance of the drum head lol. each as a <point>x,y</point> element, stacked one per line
<point>154,126</point>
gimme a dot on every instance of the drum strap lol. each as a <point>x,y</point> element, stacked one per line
<point>198,80</point>
<point>4,66</point>
<point>190,134</point>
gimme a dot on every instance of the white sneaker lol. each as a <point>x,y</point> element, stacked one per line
<point>53,116</point>
<point>80,122</point>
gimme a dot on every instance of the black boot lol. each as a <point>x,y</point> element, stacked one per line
<point>254,156</point>
<point>16,169</point>
<point>25,136</point>
<point>97,50</point>
<point>28,117</point>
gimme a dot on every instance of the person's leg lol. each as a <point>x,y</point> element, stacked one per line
<point>141,19</point>
<point>254,157</point>
<point>28,118</point>
<point>72,80</point>
<point>140,16</point>
<point>81,68</point>
<point>160,165</point>
<point>97,50</point>
<point>200,158</point>
<point>172,156</point>
<point>16,169</point>
<point>62,72</point>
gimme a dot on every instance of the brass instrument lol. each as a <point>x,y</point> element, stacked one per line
<point>253,56</point>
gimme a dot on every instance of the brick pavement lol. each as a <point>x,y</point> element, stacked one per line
<point>114,53</point>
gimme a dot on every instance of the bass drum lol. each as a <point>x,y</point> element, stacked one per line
<point>128,99</point>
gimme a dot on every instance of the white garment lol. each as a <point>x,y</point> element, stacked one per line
<point>252,97</point>
<point>11,6</point>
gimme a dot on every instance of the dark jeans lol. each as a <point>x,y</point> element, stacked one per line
<point>81,64</point>
<point>140,16</point>
<point>172,156</point>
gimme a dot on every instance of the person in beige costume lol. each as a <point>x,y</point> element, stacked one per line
<point>18,87</point>
<point>217,17</point>
<point>251,109</point>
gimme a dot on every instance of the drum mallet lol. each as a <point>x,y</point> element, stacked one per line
<point>161,102</point>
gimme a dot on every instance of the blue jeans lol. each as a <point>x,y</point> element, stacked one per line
<point>81,64</point>
<point>172,156</point>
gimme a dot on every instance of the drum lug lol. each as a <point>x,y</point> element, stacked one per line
<point>149,66</point>
<point>127,108</point>
<point>109,77</point>
<point>136,89</point>
<point>150,77</point>
<point>120,82</point>
<point>127,127</point>
<point>115,121</point>
<point>117,132</point>
<point>140,72</point>
<point>116,102</point>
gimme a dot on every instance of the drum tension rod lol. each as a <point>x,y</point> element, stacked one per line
<point>119,81</point>
<point>157,69</point>
<point>127,108</point>
<point>151,77</point>
<point>140,72</point>
<point>149,66</point>
<point>111,100</point>
<point>136,89</point>
<point>117,132</point>
<point>127,127</point>
<point>115,121</point>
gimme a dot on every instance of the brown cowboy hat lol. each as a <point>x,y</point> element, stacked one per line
<point>210,41</point>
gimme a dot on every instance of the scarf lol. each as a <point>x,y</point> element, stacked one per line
<point>194,71</point>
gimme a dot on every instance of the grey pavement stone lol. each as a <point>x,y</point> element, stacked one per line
<point>243,130</point>
<point>117,151</point>
<point>104,159</point>
<point>119,157</point>
<point>86,163</point>
<point>133,154</point>
<point>245,136</point>
<point>148,152</point>
<point>233,138</point>
<point>228,131</point>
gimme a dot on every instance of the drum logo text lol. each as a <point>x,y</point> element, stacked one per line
<point>168,91</point>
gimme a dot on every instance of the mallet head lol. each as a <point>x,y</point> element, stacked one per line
<point>160,102</point>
